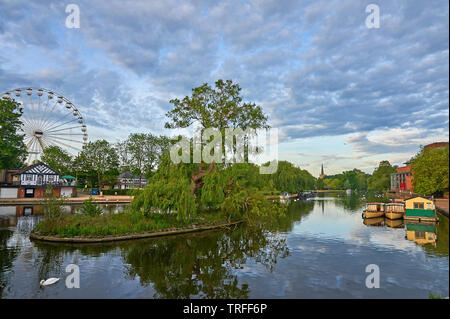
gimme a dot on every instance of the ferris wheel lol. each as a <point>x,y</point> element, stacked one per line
<point>48,119</point>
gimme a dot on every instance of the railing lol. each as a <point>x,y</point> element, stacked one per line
<point>53,184</point>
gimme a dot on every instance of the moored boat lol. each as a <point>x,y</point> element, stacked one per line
<point>394,210</point>
<point>420,208</point>
<point>374,210</point>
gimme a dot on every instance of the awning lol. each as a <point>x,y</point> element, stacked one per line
<point>68,177</point>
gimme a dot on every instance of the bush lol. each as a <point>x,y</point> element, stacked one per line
<point>128,192</point>
<point>90,208</point>
<point>53,208</point>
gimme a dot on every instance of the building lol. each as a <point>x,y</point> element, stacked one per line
<point>402,180</point>
<point>435,145</point>
<point>322,174</point>
<point>127,180</point>
<point>7,188</point>
<point>33,182</point>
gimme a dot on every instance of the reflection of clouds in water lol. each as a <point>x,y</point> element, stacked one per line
<point>393,239</point>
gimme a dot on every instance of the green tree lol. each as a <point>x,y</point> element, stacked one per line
<point>431,171</point>
<point>58,159</point>
<point>13,151</point>
<point>216,108</point>
<point>292,179</point>
<point>219,108</point>
<point>141,153</point>
<point>332,183</point>
<point>99,158</point>
<point>381,177</point>
<point>187,188</point>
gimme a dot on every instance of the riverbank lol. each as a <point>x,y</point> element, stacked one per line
<point>442,206</point>
<point>105,199</point>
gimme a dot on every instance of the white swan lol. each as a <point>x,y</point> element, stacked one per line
<point>49,281</point>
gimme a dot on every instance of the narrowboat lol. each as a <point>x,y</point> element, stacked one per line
<point>420,208</point>
<point>374,210</point>
<point>394,210</point>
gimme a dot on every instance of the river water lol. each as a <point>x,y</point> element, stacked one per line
<point>320,249</point>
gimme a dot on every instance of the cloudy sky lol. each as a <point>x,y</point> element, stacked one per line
<point>339,93</point>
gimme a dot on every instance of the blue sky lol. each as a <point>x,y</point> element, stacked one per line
<point>339,93</point>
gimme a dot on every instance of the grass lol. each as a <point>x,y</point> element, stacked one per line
<point>127,222</point>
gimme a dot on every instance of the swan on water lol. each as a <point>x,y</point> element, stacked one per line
<point>49,281</point>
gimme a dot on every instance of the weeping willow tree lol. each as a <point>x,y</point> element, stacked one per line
<point>231,189</point>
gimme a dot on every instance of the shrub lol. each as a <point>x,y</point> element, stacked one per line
<point>90,208</point>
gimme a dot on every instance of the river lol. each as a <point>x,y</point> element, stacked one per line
<point>320,249</point>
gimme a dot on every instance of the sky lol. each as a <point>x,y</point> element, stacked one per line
<point>340,93</point>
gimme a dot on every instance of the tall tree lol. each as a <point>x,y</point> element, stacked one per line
<point>188,188</point>
<point>13,151</point>
<point>431,171</point>
<point>58,159</point>
<point>219,108</point>
<point>381,177</point>
<point>99,157</point>
<point>141,153</point>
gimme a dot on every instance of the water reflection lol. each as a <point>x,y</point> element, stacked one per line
<point>6,258</point>
<point>318,249</point>
<point>202,266</point>
<point>394,223</point>
<point>377,221</point>
<point>421,233</point>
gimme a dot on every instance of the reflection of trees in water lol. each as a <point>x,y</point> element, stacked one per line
<point>202,265</point>
<point>295,212</point>
<point>353,202</point>
<point>442,244</point>
<point>196,265</point>
<point>7,256</point>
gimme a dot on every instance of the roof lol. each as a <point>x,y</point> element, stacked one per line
<point>127,174</point>
<point>38,168</point>
<point>424,197</point>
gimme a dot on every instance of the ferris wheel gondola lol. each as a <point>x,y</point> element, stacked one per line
<point>48,119</point>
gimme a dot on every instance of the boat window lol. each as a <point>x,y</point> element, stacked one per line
<point>418,205</point>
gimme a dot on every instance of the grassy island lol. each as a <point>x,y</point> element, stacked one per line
<point>90,222</point>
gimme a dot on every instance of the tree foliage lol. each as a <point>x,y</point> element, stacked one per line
<point>140,153</point>
<point>431,171</point>
<point>354,179</point>
<point>99,159</point>
<point>292,179</point>
<point>218,107</point>
<point>381,177</point>
<point>58,159</point>
<point>188,189</point>
<point>13,151</point>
